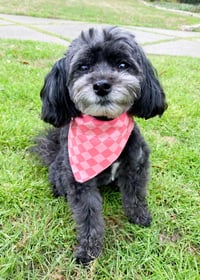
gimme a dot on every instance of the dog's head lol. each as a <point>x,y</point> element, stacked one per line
<point>104,74</point>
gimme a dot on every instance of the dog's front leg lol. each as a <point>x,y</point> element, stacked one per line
<point>135,205</point>
<point>133,178</point>
<point>86,205</point>
<point>134,201</point>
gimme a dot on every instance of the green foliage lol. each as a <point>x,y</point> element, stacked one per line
<point>179,1</point>
<point>185,5</point>
<point>190,1</point>
<point>37,232</point>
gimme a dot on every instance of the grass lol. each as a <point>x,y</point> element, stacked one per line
<point>37,232</point>
<point>127,12</point>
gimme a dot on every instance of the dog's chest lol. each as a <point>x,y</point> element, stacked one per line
<point>114,169</point>
<point>95,145</point>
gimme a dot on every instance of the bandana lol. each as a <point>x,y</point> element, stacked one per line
<point>93,144</point>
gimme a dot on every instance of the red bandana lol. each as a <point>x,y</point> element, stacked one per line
<point>94,144</point>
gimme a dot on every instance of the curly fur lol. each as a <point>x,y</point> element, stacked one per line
<point>104,73</point>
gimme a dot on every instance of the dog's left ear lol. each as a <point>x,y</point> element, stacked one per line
<point>152,100</point>
<point>57,107</point>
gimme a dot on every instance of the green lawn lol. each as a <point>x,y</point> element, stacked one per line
<point>37,232</point>
<point>126,12</point>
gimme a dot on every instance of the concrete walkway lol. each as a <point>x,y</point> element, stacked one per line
<point>153,40</point>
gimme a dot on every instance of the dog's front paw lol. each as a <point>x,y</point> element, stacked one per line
<point>82,257</point>
<point>55,192</point>
<point>141,217</point>
<point>85,254</point>
<point>144,221</point>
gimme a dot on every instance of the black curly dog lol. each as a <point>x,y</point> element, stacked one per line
<point>103,74</point>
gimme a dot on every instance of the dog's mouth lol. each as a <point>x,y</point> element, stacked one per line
<point>103,118</point>
<point>103,102</point>
<point>105,110</point>
<point>108,107</point>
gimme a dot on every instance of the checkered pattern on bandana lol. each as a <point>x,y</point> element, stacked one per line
<point>94,145</point>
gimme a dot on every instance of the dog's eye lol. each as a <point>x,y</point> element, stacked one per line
<point>122,66</point>
<point>84,68</point>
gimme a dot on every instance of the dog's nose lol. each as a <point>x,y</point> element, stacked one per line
<point>102,87</point>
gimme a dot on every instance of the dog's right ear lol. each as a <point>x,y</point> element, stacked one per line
<point>57,107</point>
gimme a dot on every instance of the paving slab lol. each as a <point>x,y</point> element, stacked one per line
<point>30,20</point>
<point>178,48</point>
<point>69,30</point>
<point>143,37</point>
<point>4,22</point>
<point>169,32</point>
<point>24,33</point>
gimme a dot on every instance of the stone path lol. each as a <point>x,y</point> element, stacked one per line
<point>153,40</point>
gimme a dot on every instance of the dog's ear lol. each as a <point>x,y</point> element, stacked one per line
<point>152,100</point>
<point>57,107</point>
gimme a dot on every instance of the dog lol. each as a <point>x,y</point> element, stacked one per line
<point>90,96</point>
